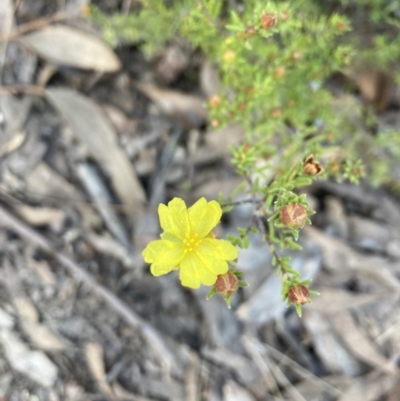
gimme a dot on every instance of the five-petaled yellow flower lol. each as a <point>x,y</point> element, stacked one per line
<point>187,243</point>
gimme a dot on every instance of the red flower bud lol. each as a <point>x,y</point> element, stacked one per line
<point>276,112</point>
<point>250,31</point>
<point>268,20</point>
<point>294,215</point>
<point>227,284</point>
<point>299,294</point>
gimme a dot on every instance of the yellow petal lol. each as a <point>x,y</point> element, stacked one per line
<point>189,276</point>
<point>200,267</point>
<point>204,216</point>
<point>209,263</point>
<point>158,269</point>
<point>163,252</point>
<point>219,267</point>
<point>218,249</point>
<point>174,218</point>
<point>169,237</point>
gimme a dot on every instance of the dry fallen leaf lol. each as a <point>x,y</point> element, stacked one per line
<point>358,342</point>
<point>209,79</point>
<point>369,388</point>
<point>89,123</point>
<point>94,358</point>
<point>45,182</point>
<point>333,300</point>
<point>65,45</point>
<point>374,86</point>
<point>39,216</point>
<point>35,364</point>
<point>13,143</point>
<point>187,109</point>
<point>14,112</point>
<point>327,346</point>
<point>40,335</point>
<point>233,392</point>
<point>221,139</point>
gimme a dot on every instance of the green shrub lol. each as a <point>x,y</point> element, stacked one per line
<point>274,60</point>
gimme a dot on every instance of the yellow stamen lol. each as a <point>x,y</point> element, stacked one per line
<point>191,242</point>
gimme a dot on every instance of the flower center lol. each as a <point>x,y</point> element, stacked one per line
<point>191,242</point>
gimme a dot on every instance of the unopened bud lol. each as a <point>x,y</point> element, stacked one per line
<point>299,294</point>
<point>214,101</point>
<point>215,123</point>
<point>341,26</point>
<point>242,106</point>
<point>312,167</point>
<point>276,113</point>
<point>296,56</point>
<point>279,72</point>
<point>268,20</point>
<point>294,215</point>
<point>226,284</point>
<point>250,31</point>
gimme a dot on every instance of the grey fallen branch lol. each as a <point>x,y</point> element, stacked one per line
<point>153,336</point>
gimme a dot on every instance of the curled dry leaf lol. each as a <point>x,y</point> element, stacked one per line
<point>64,45</point>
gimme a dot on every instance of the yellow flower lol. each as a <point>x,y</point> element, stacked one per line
<point>187,243</point>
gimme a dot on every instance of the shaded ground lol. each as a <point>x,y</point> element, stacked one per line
<point>81,318</point>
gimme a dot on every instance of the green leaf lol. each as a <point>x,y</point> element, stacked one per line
<point>212,292</point>
<point>298,309</point>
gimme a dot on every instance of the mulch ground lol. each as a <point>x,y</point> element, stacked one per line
<point>81,317</point>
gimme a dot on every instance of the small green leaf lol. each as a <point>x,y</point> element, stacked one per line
<point>298,309</point>
<point>212,292</point>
